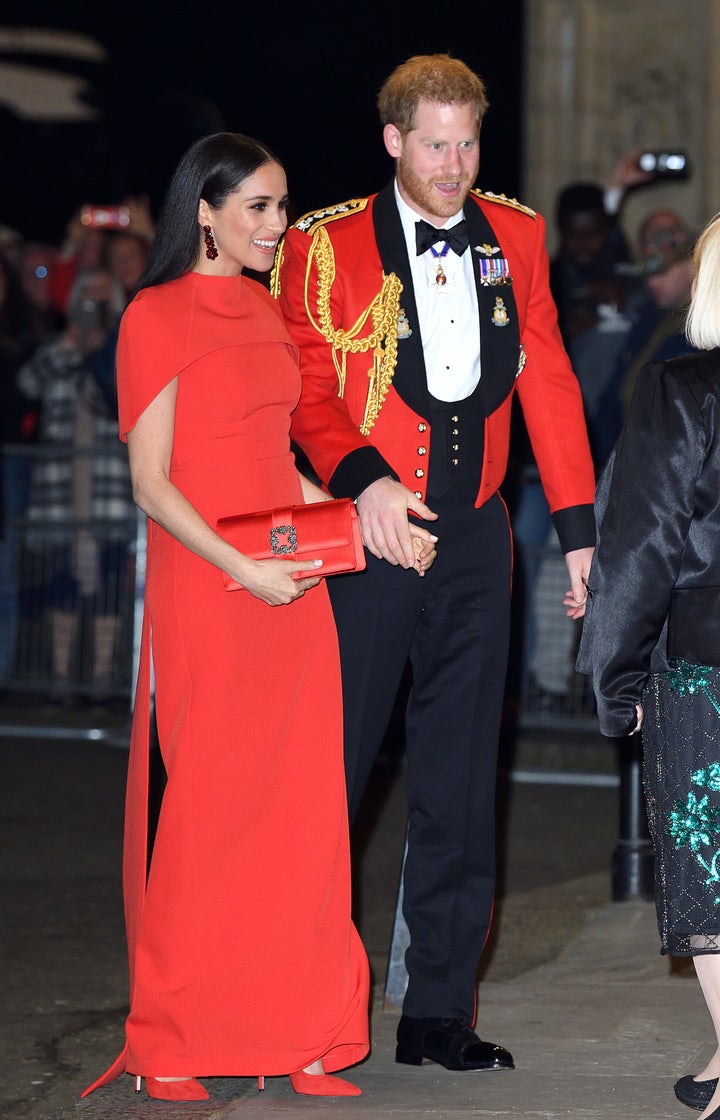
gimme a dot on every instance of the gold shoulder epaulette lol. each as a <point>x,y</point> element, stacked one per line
<point>330,214</point>
<point>503,200</point>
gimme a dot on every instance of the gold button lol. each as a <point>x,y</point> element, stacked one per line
<point>422,450</point>
<point>455,462</point>
<point>455,419</point>
<point>456,447</point>
<point>455,432</point>
<point>418,494</point>
<point>419,473</point>
<point>422,427</point>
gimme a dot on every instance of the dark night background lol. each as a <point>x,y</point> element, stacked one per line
<point>303,78</point>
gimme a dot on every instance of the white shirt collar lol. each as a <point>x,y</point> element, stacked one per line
<point>409,217</point>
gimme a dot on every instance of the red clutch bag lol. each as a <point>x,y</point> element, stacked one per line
<point>327,531</point>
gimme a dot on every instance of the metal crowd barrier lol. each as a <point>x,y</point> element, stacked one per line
<point>71,594</point>
<point>70,591</point>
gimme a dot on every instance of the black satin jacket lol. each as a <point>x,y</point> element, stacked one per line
<point>655,578</point>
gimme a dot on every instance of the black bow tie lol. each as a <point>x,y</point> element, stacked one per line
<point>457,238</point>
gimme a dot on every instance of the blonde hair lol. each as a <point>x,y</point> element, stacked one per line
<point>702,326</point>
<point>429,77</point>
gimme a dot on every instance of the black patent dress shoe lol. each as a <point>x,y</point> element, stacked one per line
<point>448,1042</point>
<point>695,1094</point>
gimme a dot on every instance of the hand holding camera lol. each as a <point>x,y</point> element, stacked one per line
<point>643,165</point>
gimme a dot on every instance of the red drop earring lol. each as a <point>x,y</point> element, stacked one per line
<point>210,246</point>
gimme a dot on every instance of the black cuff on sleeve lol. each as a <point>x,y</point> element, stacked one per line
<point>575,526</point>
<point>357,471</point>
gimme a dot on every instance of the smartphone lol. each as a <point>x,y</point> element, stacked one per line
<point>665,164</point>
<point>105,217</point>
<point>90,316</point>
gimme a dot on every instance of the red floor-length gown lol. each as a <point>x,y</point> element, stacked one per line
<point>243,956</point>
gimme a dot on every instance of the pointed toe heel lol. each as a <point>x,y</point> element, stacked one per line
<point>322,1085</point>
<point>185,1089</point>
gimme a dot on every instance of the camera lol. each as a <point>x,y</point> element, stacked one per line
<point>105,217</point>
<point>665,164</point>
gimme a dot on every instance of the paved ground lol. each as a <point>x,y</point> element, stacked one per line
<point>600,1025</point>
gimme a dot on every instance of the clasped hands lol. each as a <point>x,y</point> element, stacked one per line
<point>387,531</point>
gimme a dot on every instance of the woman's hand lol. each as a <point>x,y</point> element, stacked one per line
<point>578,566</point>
<point>275,582</point>
<point>638,725</point>
<point>150,446</point>
<point>425,552</point>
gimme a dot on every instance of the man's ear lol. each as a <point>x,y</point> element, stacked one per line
<point>392,137</point>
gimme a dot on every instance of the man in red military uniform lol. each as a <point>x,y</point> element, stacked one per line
<point>418,312</point>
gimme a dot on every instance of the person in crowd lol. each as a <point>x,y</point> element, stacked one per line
<point>18,423</point>
<point>418,311</point>
<point>243,956</point>
<point>126,255</point>
<point>34,262</point>
<point>607,344</point>
<point>651,637</point>
<point>596,301</point>
<point>595,305</point>
<point>80,501</point>
<point>86,243</point>
<point>665,263</point>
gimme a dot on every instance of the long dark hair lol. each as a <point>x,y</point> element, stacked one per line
<point>212,168</point>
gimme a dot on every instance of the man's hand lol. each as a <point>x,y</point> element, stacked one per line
<point>383,511</point>
<point>578,566</point>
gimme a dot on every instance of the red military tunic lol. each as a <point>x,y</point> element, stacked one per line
<point>338,282</point>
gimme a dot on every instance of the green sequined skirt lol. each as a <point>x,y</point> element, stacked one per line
<point>681,750</point>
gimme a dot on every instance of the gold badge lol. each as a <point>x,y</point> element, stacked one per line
<point>404,329</point>
<point>500,316</point>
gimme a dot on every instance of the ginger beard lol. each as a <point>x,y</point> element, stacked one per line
<point>424,196</point>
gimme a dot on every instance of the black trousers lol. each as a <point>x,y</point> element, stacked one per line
<point>453,625</point>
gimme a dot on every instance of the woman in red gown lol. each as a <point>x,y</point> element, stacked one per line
<point>243,957</point>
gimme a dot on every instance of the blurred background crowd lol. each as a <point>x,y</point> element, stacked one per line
<point>68,547</point>
<point>621,297</point>
<point>66,576</point>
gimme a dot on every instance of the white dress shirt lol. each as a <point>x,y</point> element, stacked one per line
<point>447,314</point>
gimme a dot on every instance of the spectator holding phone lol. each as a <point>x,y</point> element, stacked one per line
<point>86,241</point>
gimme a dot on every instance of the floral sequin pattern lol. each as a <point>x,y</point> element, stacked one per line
<point>695,822</point>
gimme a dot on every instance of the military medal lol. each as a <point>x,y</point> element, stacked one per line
<point>500,316</point>
<point>404,330</point>
<point>494,271</point>
<point>438,254</point>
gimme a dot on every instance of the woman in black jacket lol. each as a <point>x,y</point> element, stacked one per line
<point>651,635</point>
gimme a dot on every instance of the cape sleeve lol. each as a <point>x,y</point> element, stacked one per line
<point>645,505</point>
<point>153,347</point>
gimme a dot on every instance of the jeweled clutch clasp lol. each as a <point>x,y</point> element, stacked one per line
<point>283,539</point>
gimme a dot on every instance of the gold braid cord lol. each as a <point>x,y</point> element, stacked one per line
<point>383,312</point>
<point>276,269</point>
